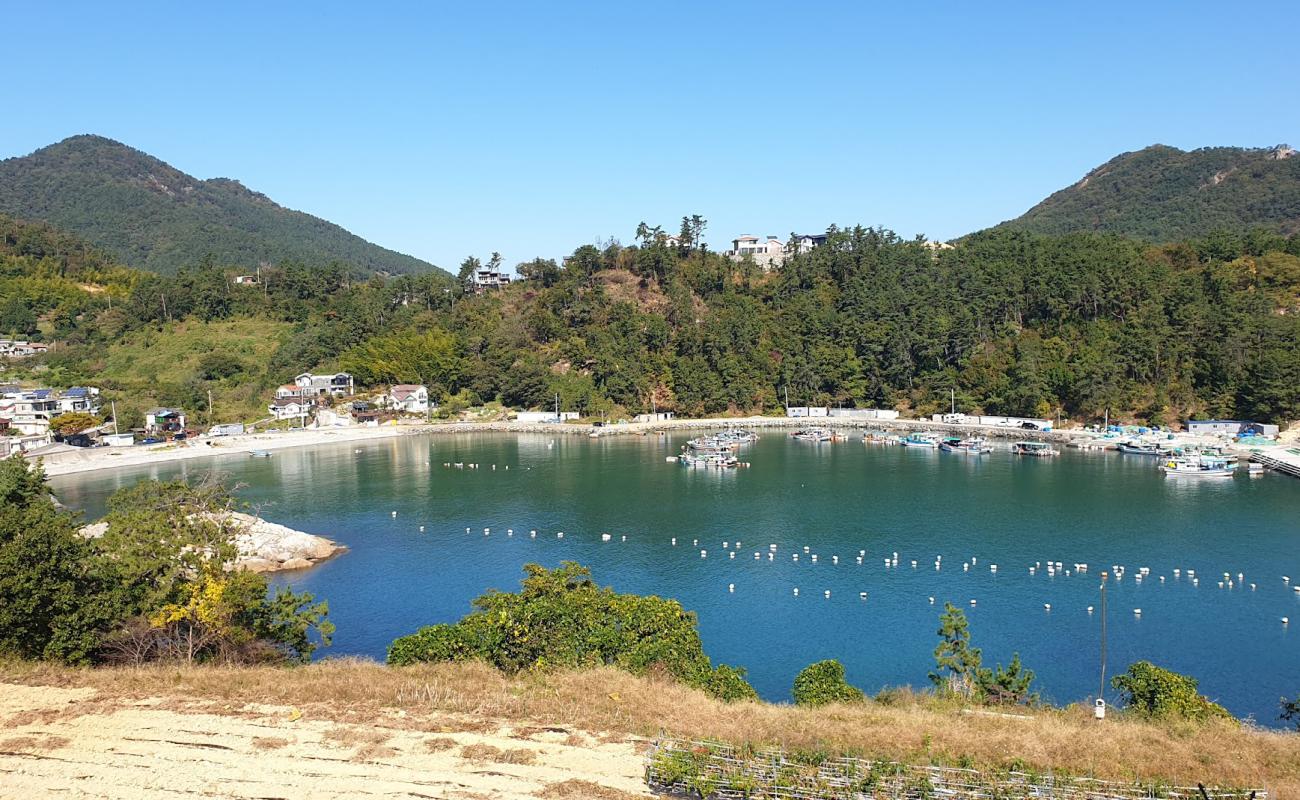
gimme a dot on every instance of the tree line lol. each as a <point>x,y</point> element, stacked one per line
<point>1080,325</point>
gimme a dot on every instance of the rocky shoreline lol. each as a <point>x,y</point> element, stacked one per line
<point>264,546</point>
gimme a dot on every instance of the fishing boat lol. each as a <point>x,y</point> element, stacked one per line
<point>922,439</point>
<point>260,453</point>
<point>736,436</point>
<point>813,435</point>
<point>1034,449</point>
<point>1196,467</point>
<point>975,445</point>
<point>1138,447</point>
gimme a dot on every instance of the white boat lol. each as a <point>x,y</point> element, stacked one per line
<point>813,435</point>
<point>1034,449</point>
<point>1196,467</point>
<point>260,453</point>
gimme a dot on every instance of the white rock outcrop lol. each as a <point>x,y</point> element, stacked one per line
<point>264,546</point>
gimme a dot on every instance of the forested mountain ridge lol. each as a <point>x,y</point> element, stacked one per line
<point>153,216</point>
<point>1163,194</point>
<point>1082,325</point>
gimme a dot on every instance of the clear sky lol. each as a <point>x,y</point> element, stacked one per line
<point>449,129</point>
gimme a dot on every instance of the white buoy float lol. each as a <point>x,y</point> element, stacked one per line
<point>1047,606</point>
<point>972,602</point>
<point>931,601</point>
<point>1089,609</point>
<point>605,537</point>
<point>704,554</point>
<point>862,595</point>
<point>828,594</point>
<point>1137,612</point>
<point>731,587</point>
<point>394,513</point>
<point>421,529</point>
<point>796,591</point>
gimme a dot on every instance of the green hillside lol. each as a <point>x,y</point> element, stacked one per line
<point>153,216</point>
<point>1163,194</point>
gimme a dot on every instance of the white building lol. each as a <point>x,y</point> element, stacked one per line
<point>20,348</point>
<point>28,412</point>
<point>769,253</point>
<point>661,416</point>
<point>409,397</point>
<point>486,279</point>
<point>766,253</point>
<point>545,416</point>
<point>290,407</point>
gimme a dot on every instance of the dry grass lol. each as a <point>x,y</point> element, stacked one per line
<point>908,727</point>
<point>486,752</point>
<point>583,790</point>
<point>437,744</point>
<point>347,736</point>
<point>269,743</point>
<point>32,744</point>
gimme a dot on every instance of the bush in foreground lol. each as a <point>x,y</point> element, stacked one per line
<point>1158,692</point>
<point>160,584</point>
<point>822,683</point>
<point>561,618</point>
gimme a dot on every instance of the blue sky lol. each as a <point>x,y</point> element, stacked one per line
<point>449,129</point>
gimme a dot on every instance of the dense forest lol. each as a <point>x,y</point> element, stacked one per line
<point>151,215</point>
<point>1163,194</point>
<point>1014,323</point>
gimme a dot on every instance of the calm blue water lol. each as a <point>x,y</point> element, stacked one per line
<point>1097,508</point>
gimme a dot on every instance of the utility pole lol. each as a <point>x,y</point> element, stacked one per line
<point>787,399</point>
<point>952,401</point>
<point>1101,689</point>
<point>209,406</point>
<point>113,405</point>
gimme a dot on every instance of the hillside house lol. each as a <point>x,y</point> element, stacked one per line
<point>339,384</point>
<point>408,398</point>
<point>20,348</point>
<point>484,280</point>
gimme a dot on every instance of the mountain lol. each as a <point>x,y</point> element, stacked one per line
<point>151,215</point>
<point>1163,194</point>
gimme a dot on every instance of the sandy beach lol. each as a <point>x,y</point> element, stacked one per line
<point>77,460</point>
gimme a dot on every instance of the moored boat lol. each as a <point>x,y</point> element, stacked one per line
<point>813,435</point>
<point>1034,449</point>
<point>1198,466</point>
<point>922,439</point>
<point>975,445</point>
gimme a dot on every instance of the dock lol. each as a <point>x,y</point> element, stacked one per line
<point>1286,460</point>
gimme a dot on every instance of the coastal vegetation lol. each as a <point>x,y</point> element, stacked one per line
<point>158,585</point>
<point>1079,325</point>
<point>561,619</point>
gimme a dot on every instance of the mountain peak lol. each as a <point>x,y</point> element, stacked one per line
<point>152,215</point>
<point>1161,193</point>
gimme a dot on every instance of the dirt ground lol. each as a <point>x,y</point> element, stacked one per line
<point>77,742</point>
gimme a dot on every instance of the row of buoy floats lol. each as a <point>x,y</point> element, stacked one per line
<point>1053,567</point>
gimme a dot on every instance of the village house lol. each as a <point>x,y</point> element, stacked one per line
<point>27,412</point>
<point>409,398</point>
<point>339,384</point>
<point>18,348</point>
<point>291,407</point>
<point>164,421</point>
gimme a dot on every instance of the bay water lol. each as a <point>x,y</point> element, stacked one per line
<point>836,500</point>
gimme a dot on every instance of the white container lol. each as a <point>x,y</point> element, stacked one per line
<point>1099,709</point>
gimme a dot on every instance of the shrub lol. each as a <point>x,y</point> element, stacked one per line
<point>561,618</point>
<point>822,683</point>
<point>1157,692</point>
<point>1291,711</point>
